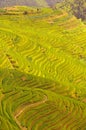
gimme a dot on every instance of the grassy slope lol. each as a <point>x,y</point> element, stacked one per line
<point>43,3</point>
<point>42,71</point>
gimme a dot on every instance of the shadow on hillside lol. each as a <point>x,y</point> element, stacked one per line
<point>12,79</point>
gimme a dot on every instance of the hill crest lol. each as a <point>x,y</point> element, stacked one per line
<point>43,3</point>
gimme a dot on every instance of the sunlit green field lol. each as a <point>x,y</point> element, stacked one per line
<point>42,70</point>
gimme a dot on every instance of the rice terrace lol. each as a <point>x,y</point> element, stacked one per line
<point>42,67</point>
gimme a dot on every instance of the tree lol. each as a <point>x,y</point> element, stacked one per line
<point>77,7</point>
<point>25,12</point>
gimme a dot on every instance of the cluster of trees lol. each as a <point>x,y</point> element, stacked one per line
<point>77,7</point>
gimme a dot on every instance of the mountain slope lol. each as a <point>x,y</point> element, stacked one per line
<point>42,70</point>
<point>27,2</point>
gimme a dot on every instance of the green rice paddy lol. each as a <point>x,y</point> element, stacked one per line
<point>42,70</point>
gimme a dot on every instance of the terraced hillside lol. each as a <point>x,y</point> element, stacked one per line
<point>42,71</point>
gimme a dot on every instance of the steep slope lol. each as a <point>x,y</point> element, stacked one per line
<point>42,71</point>
<point>77,8</point>
<point>27,2</point>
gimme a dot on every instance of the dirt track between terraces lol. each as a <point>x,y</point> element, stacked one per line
<point>24,108</point>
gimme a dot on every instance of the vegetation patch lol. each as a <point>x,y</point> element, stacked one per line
<point>42,70</point>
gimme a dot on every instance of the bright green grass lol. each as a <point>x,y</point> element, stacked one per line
<point>42,71</point>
